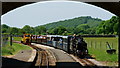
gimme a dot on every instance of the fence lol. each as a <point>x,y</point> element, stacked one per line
<point>4,40</point>
<point>100,43</point>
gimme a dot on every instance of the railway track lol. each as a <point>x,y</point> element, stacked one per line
<point>41,59</point>
<point>16,41</point>
<point>84,62</point>
<point>87,62</point>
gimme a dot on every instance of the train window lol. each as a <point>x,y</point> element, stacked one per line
<point>48,38</point>
<point>65,40</point>
<point>27,35</point>
<point>56,38</point>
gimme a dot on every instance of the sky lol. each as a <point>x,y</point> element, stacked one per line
<point>41,13</point>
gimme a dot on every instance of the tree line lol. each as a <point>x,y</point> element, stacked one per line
<point>85,25</point>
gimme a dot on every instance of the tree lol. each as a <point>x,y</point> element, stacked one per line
<point>32,31</point>
<point>28,29</point>
<point>14,30</point>
<point>115,28</point>
<point>5,28</point>
<point>91,30</point>
<point>21,32</point>
<point>109,26</point>
<point>40,29</point>
<point>58,30</point>
<point>50,31</point>
<point>61,30</point>
<point>83,26</point>
<point>70,29</point>
<point>81,29</point>
<point>114,19</point>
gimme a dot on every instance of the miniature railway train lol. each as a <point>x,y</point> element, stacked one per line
<point>57,41</point>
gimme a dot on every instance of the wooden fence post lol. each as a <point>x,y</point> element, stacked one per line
<point>95,44</point>
<point>11,39</point>
<point>100,44</point>
<point>91,43</point>
<point>106,46</point>
<point>112,45</point>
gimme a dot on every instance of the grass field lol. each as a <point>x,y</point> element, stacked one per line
<point>97,48</point>
<point>11,50</point>
<point>17,38</point>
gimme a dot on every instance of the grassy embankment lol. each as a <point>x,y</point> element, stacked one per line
<point>97,48</point>
<point>15,48</point>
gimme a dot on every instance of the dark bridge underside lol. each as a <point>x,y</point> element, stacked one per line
<point>113,7</point>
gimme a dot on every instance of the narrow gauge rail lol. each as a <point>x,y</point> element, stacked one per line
<point>41,59</point>
<point>87,62</point>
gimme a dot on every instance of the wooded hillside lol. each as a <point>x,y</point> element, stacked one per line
<point>81,25</point>
<point>92,22</point>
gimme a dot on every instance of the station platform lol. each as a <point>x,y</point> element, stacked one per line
<point>22,59</point>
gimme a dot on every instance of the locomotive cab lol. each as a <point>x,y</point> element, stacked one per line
<point>26,39</point>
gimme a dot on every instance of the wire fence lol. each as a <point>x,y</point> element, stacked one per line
<point>100,44</point>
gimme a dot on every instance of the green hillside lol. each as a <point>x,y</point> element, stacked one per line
<point>92,22</point>
<point>79,25</point>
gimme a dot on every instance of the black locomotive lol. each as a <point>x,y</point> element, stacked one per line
<point>65,43</point>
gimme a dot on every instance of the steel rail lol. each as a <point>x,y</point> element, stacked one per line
<point>42,54</point>
<point>86,62</point>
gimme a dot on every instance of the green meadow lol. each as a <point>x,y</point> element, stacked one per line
<point>15,48</point>
<point>17,38</point>
<point>97,48</point>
